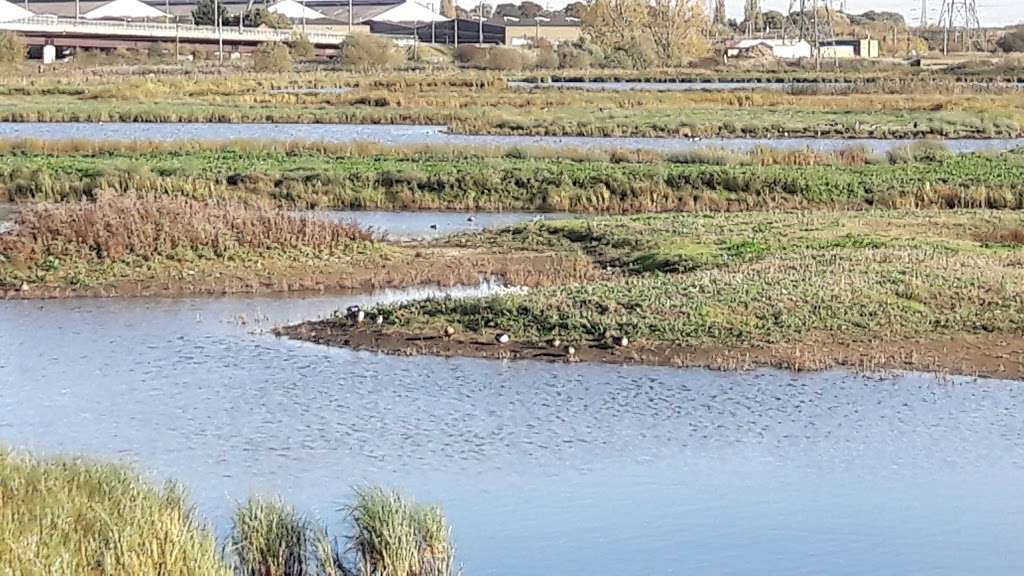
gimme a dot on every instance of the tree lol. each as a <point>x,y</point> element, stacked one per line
<point>530,10</point>
<point>272,57</point>
<point>575,9</point>
<point>677,30</point>
<point>302,48</point>
<point>634,32</point>
<point>203,14</point>
<point>720,18</point>
<point>448,8</point>
<point>508,10</point>
<point>484,9</point>
<point>753,21</point>
<point>12,50</point>
<point>1012,41</point>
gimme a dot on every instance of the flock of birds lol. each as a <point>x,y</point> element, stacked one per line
<point>356,315</point>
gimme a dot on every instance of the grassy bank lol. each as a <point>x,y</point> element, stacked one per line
<point>123,245</point>
<point>485,103</point>
<point>62,516</point>
<point>797,289</point>
<point>364,176</point>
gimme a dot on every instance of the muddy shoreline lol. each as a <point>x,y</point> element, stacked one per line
<point>989,356</point>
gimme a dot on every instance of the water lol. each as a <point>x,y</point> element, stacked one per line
<point>569,469</point>
<point>7,212</point>
<point>670,86</point>
<point>429,224</point>
<point>399,135</point>
<point>334,90</point>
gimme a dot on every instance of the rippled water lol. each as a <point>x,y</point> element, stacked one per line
<point>397,135</point>
<point>544,468</point>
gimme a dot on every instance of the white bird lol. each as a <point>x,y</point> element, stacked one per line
<point>620,341</point>
<point>502,338</point>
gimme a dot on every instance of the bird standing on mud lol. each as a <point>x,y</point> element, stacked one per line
<point>502,338</point>
<point>448,332</point>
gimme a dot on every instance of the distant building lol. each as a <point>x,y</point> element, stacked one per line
<point>526,32</point>
<point>125,10</point>
<point>778,48</point>
<point>851,48</point>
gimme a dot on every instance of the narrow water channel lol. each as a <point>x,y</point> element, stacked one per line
<point>398,135</point>
<point>543,468</point>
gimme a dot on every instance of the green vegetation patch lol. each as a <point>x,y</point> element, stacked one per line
<point>744,279</point>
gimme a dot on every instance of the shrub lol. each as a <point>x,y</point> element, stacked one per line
<point>272,57</point>
<point>302,48</point>
<point>12,49</point>
<point>493,58</point>
<point>573,58</point>
<point>547,59</point>
<point>365,52</point>
<point>1013,41</point>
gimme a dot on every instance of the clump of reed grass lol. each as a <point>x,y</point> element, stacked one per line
<point>269,538</point>
<point>115,227</point>
<point>72,517</point>
<point>396,537</point>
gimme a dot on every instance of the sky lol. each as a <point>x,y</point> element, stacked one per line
<point>991,12</point>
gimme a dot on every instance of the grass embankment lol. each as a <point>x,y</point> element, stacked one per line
<point>364,176</point>
<point>918,290</point>
<point>485,103</point>
<point>61,516</point>
<point>133,246</point>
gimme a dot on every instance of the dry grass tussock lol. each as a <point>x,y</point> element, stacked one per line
<point>113,227</point>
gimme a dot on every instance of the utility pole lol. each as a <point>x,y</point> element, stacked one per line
<point>480,34</point>
<point>349,16</point>
<point>817,39</point>
<point>220,31</point>
<point>924,14</point>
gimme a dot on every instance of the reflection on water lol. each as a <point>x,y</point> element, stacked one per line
<point>398,135</point>
<point>429,224</point>
<point>544,468</point>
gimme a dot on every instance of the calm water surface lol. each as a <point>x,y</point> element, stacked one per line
<point>397,135</point>
<point>435,224</point>
<point>544,468</point>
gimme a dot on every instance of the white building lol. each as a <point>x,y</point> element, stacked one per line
<point>782,49</point>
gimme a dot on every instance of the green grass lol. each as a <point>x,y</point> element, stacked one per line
<point>75,517</point>
<point>750,279</point>
<point>484,103</point>
<point>367,177</point>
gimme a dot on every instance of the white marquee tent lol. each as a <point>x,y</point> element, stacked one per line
<point>294,10</point>
<point>409,11</point>
<point>9,12</point>
<point>124,10</point>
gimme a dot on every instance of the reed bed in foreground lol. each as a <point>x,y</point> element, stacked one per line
<point>61,516</point>
<point>75,517</point>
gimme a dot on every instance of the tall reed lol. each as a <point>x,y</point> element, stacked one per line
<point>396,537</point>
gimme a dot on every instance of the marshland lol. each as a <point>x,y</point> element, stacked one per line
<point>770,342</point>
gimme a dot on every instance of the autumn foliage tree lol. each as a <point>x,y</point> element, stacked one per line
<point>646,33</point>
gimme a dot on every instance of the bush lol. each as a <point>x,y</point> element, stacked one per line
<point>365,52</point>
<point>547,59</point>
<point>396,537</point>
<point>269,537</point>
<point>493,58</point>
<point>302,48</point>
<point>272,57</point>
<point>12,50</point>
<point>573,58</point>
<point>1012,42</point>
